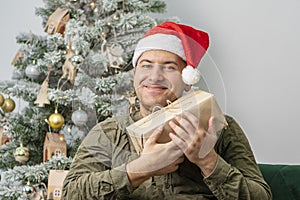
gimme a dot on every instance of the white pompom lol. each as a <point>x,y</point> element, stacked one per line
<point>190,75</point>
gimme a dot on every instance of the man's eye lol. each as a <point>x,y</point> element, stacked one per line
<point>146,66</point>
<point>169,68</point>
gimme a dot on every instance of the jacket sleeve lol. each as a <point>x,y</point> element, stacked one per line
<point>98,171</point>
<point>237,175</point>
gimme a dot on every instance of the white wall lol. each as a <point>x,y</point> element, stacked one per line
<point>252,64</point>
<point>16,17</point>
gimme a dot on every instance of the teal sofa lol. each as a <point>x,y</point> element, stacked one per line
<point>284,180</point>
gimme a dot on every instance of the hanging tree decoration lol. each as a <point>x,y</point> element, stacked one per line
<point>56,120</point>
<point>18,57</point>
<point>32,71</point>
<point>57,21</point>
<point>114,51</point>
<point>114,54</point>
<point>5,136</point>
<point>28,189</point>
<point>1,99</point>
<point>69,68</point>
<point>79,117</point>
<point>36,191</point>
<point>8,105</point>
<point>17,73</point>
<point>21,154</point>
<point>42,97</point>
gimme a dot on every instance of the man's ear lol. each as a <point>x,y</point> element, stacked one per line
<point>187,87</point>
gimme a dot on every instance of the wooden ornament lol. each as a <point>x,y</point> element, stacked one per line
<point>18,57</point>
<point>55,183</point>
<point>57,21</point>
<point>69,69</point>
<point>114,54</point>
<point>4,137</point>
<point>42,97</point>
<point>54,145</point>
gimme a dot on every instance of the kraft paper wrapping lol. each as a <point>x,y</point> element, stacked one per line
<point>200,103</point>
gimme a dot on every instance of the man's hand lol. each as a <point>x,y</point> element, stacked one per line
<point>196,143</point>
<point>156,159</point>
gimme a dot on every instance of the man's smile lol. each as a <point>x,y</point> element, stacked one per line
<point>155,88</point>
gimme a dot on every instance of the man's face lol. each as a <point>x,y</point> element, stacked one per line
<point>157,79</point>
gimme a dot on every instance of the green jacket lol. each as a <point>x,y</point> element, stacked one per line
<point>98,169</point>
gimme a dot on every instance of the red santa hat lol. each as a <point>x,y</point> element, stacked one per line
<point>188,43</point>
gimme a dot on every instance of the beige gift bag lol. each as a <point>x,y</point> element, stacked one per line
<point>202,104</point>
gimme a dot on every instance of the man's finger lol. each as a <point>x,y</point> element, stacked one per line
<point>156,134</point>
<point>178,141</point>
<point>211,125</point>
<point>192,118</point>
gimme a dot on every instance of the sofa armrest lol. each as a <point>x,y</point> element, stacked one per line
<point>284,180</point>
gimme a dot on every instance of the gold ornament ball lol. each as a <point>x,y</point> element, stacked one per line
<point>1,99</point>
<point>56,121</point>
<point>21,154</point>
<point>8,105</point>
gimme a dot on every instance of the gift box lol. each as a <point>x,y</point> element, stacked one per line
<point>200,103</point>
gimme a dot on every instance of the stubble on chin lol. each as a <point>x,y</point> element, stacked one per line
<point>152,104</point>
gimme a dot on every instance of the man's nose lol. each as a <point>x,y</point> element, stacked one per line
<point>156,74</point>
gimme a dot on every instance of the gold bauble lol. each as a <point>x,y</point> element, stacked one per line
<point>56,120</point>
<point>8,105</point>
<point>21,154</point>
<point>1,99</point>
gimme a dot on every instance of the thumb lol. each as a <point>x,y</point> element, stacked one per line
<point>211,125</point>
<point>209,140</point>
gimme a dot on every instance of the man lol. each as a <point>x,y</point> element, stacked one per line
<point>106,165</point>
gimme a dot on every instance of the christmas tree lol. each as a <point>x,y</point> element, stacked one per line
<point>74,76</point>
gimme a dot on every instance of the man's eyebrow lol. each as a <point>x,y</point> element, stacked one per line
<point>164,63</point>
<point>146,60</point>
<point>171,62</point>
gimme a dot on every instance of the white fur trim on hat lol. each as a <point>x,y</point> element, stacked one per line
<point>158,41</point>
<point>190,75</point>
